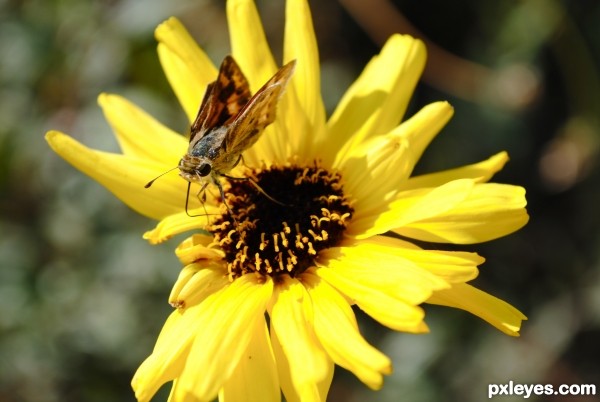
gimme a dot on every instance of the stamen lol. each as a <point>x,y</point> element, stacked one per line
<point>312,203</point>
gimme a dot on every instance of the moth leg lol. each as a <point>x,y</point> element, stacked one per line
<point>259,188</point>
<point>240,158</point>
<point>201,199</point>
<point>218,184</point>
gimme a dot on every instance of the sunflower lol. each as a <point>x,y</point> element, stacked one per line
<point>263,303</point>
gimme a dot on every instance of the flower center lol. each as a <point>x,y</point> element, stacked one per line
<point>280,224</point>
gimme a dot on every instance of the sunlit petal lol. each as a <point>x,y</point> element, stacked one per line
<point>377,100</point>
<point>232,317</point>
<point>186,66</point>
<point>255,377</point>
<point>291,322</point>
<point>177,223</point>
<point>124,176</point>
<point>300,44</point>
<point>493,310</point>
<point>337,330</point>
<point>479,172</point>
<point>139,134</point>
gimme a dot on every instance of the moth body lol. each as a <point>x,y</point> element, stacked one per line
<point>230,120</point>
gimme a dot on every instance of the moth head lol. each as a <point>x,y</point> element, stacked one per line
<point>204,169</point>
<point>194,168</point>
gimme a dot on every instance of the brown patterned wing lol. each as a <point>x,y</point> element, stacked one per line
<point>259,112</point>
<point>223,99</point>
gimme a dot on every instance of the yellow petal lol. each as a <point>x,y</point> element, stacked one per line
<point>250,49</point>
<point>378,168</point>
<point>179,222</point>
<point>187,68</point>
<point>248,43</point>
<point>388,291</point>
<point>125,177</point>
<point>299,355</point>
<point>480,172</point>
<point>373,173</point>
<point>172,347</point>
<point>139,134</point>
<point>337,330</point>
<point>228,323</point>
<point>490,211</point>
<point>198,281</point>
<point>451,266</point>
<point>198,247</point>
<point>300,44</point>
<point>184,277</point>
<point>389,311</point>
<point>395,275</point>
<point>493,310</point>
<point>377,100</point>
<point>255,377</point>
<point>411,206</point>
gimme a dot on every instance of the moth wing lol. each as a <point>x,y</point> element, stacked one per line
<point>259,112</point>
<point>223,100</point>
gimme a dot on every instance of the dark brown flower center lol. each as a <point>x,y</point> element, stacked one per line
<point>307,212</point>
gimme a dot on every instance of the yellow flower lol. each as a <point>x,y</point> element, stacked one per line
<point>341,237</point>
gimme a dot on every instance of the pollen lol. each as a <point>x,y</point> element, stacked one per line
<point>281,218</point>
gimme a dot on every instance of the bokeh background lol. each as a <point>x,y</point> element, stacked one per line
<point>83,296</point>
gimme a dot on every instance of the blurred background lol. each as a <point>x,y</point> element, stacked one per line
<point>83,296</point>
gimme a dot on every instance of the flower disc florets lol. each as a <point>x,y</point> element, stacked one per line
<point>307,212</point>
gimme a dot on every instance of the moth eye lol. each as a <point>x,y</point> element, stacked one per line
<point>204,169</point>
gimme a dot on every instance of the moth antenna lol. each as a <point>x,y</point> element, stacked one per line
<point>151,182</point>
<point>259,188</point>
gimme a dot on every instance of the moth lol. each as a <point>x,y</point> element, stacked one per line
<point>230,120</point>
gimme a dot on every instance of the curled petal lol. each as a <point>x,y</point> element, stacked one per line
<point>196,282</point>
<point>198,247</point>
<point>178,223</point>
<point>493,310</point>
